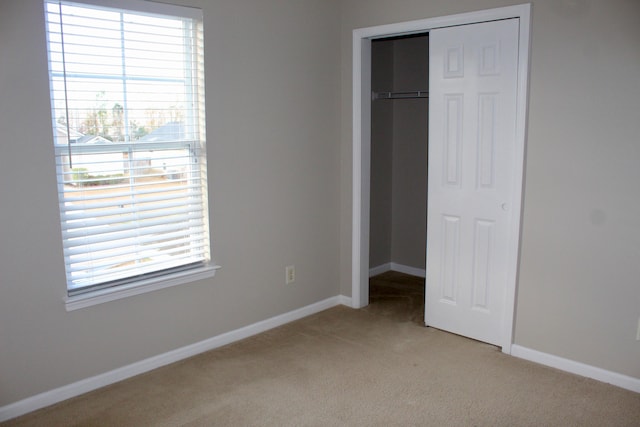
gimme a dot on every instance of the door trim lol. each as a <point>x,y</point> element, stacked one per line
<point>362,145</point>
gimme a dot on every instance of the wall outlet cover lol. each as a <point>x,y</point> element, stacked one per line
<point>290,274</point>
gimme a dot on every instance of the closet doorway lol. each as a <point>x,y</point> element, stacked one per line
<point>362,92</point>
<point>398,180</point>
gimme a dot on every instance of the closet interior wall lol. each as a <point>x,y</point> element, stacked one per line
<point>399,136</point>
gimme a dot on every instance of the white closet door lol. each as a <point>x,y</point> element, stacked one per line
<point>472,125</point>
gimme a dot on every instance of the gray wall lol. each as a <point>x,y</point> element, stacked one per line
<point>380,221</point>
<point>399,153</point>
<point>273,85</point>
<point>410,137</point>
<point>579,288</point>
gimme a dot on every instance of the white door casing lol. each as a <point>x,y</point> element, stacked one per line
<point>361,144</point>
<point>472,133</point>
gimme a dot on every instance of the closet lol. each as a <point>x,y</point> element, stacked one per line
<point>399,147</point>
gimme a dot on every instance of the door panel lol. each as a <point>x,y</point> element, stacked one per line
<point>472,125</point>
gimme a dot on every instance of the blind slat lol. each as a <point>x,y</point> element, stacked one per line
<point>85,269</point>
<point>129,223</point>
<point>99,201</point>
<point>79,220</point>
<point>128,271</point>
<point>151,231</point>
<point>177,240</point>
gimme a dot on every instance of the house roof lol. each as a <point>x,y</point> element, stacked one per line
<point>76,137</point>
<point>172,131</point>
<point>91,139</point>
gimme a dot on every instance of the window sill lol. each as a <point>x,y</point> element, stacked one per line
<point>142,287</point>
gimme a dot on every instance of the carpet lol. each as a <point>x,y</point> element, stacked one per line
<point>377,366</point>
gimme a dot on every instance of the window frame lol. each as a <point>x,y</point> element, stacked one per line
<point>163,278</point>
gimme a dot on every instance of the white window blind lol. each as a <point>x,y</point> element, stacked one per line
<point>127,95</point>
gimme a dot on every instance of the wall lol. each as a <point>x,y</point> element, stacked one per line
<point>380,224</point>
<point>399,154</point>
<point>272,79</point>
<point>410,143</point>
<point>578,290</point>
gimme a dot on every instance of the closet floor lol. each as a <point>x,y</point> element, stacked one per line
<point>398,296</point>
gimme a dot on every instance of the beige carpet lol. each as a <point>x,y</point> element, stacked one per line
<point>343,367</point>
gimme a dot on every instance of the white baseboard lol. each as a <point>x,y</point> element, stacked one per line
<point>620,380</point>
<point>379,269</point>
<point>419,272</point>
<point>393,266</point>
<point>344,300</point>
<point>89,384</point>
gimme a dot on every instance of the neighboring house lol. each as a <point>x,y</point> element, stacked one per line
<point>93,164</point>
<point>61,134</point>
<point>170,161</point>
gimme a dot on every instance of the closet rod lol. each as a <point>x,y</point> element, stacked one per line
<point>400,95</point>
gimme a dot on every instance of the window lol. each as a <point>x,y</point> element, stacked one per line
<point>127,97</point>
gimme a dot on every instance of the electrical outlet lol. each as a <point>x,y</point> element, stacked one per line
<point>290,274</point>
<point>638,331</point>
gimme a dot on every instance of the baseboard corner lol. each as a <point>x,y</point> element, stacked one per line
<point>413,271</point>
<point>400,268</point>
<point>379,269</point>
<point>345,300</point>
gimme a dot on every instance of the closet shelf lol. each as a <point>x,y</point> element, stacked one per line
<point>400,95</point>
